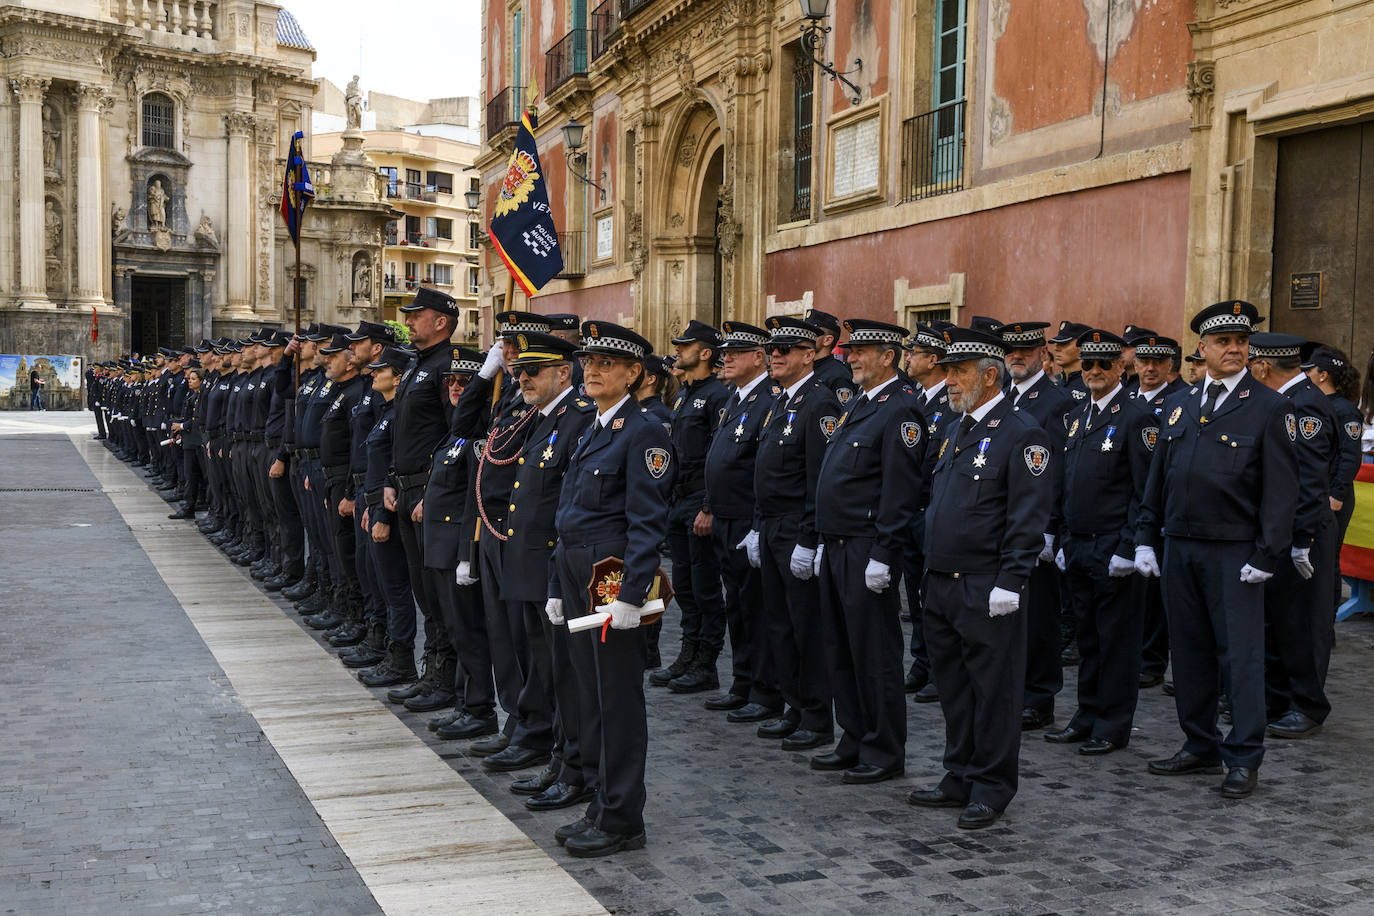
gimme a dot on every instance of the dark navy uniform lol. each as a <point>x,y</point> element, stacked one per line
<point>934,404</point>
<point>1221,495</point>
<point>1154,651</point>
<point>836,375</point>
<point>1106,461</point>
<point>1351,424</point>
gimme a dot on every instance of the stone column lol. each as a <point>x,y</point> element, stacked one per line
<point>32,266</point>
<point>90,175</point>
<point>238,231</point>
<point>7,168</point>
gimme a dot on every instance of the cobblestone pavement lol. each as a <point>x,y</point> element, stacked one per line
<point>131,780</point>
<point>737,826</point>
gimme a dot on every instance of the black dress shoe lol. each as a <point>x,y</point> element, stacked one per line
<point>927,694</point>
<point>488,746</point>
<point>1184,762</point>
<point>1033,718</point>
<point>559,795</point>
<point>277,583</point>
<point>533,785</point>
<point>384,675</point>
<point>568,831</point>
<point>514,758</point>
<point>752,712</point>
<point>914,681</point>
<point>832,761</point>
<point>1168,688</point>
<point>1150,680</point>
<point>182,514</point>
<point>726,701</point>
<point>804,739</point>
<point>934,798</point>
<point>466,726</point>
<point>436,698</point>
<point>778,728</point>
<point>1098,747</point>
<point>977,816</point>
<point>325,620</point>
<point>593,843</point>
<point>1239,782</point>
<point>1295,724</point>
<point>865,773</point>
<point>1071,734</point>
<point>362,656</point>
<point>453,715</point>
<point>399,695</point>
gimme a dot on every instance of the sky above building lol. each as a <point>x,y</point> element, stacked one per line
<point>417,49</point>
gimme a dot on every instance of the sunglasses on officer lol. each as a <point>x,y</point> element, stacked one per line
<point>1103,364</point>
<point>774,349</point>
<point>529,371</point>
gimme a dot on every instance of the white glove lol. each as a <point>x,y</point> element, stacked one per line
<point>463,575</point>
<point>495,361</point>
<point>1059,561</point>
<point>553,609</point>
<point>1145,561</point>
<point>877,576</point>
<point>1117,567</point>
<point>1251,576</point>
<point>1047,555</point>
<point>624,616</point>
<point>803,562</point>
<point>750,546</point>
<point>816,566</point>
<point>1302,561</point>
<point>1002,602</point>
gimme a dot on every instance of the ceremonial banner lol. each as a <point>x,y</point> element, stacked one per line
<point>522,226</point>
<point>296,189</point>
<point>1357,553</point>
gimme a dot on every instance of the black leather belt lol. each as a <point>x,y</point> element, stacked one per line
<point>254,437</point>
<point>410,481</point>
<point>307,454</point>
<point>336,471</point>
<point>357,480</point>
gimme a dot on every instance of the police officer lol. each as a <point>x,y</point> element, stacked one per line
<point>727,516</point>
<point>1034,392</point>
<point>1064,348</point>
<point>1330,370</point>
<point>792,441</point>
<point>989,508</point>
<point>696,564</point>
<point>569,327</point>
<point>1220,499</point>
<point>1106,460</point>
<point>614,504</point>
<point>834,373</point>
<point>1299,633</point>
<point>870,489</point>
<point>280,428</point>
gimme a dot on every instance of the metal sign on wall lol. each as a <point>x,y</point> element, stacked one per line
<point>1305,290</point>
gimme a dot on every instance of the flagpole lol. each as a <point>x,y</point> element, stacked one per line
<point>501,376</point>
<point>296,358</point>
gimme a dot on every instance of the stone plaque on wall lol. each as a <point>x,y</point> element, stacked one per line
<point>1305,290</point>
<point>605,237</point>
<point>857,158</point>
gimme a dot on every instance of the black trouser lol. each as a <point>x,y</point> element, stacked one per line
<point>510,654</point>
<point>977,662</point>
<point>864,636</point>
<point>193,467</point>
<point>1044,671</point>
<point>99,420</point>
<point>214,471</point>
<point>258,465</point>
<point>696,578</point>
<point>312,516</point>
<point>913,572</point>
<point>389,559</point>
<point>613,725</point>
<point>461,607</point>
<point>365,562</point>
<point>345,546</point>
<point>1300,633</point>
<point>550,691</point>
<point>319,493</point>
<point>751,658</point>
<point>1109,629</point>
<point>792,628</point>
<point>438,644</point>
<point>1154,653</point>
<point>1342,523</point>
<point>1216,636</point>
<point>290,531</point>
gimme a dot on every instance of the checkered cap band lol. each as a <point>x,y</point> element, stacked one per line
<point>793,333</point>
<point>1217,322</point>
<point>974,348</point>
<point>1103,349</point>
<point>1011,337</point>
<point>518,326</point>
<point>470,366</point>
<point>746,337</point>
<point>929,341</point>
<point>605,345</point>
<point>1272,352</point>
<point>1159,352</point>
<point>875,336</point>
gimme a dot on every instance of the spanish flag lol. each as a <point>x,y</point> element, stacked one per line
<point>1357,553</point>
<point>296,189</point>
<point>522,226</point>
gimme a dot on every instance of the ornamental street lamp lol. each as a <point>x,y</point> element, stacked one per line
<point>813,45</point>
<point>572,142</point>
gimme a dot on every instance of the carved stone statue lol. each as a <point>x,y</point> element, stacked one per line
<point>50,135</point>
<point>117,216</point>
<point>157,206</point>
<point>362,279</point>
<point>353,99</point>
<point>52,224</point>
<point>205,232</point>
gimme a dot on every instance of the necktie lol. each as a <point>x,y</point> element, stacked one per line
<point>1016,401</point>
<point>1094,416</point>
<point>1214,391</point>
<point>965,427</point>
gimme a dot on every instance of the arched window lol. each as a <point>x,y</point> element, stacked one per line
<point>159,120</point>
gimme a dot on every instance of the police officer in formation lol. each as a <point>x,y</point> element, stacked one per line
<point>369,481</point>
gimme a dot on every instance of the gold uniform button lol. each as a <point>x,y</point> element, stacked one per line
<point>522,461</point>
<point>447,519</point>
<point>510,531</point>
<point>517,485</point>
<point>956,575</point>
<point>512,507</point>
<point>550,543</point>
<point>541,464</point>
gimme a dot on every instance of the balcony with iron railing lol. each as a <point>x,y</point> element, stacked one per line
<point>566,60</point>
<point>933,152</point>
<point>629,7</point>
<point>604,21</point>
<point>574,248</point>
<point>503,112</point>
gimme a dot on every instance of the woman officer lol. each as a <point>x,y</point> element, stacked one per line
<point>614,503</point>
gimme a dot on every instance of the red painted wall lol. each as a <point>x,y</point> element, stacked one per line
<point>604,156</point>
<point>607,303</point>
<point>1106,257</point>
<point>862,28</point>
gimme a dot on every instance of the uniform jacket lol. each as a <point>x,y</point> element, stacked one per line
<point>1105,468</point>
<point>450,516</point>
<point>378,448</point>
<point>1234,478</point>
<point>696,416</point>
<point>616,489</point>
<point>336,432</point>
<point>534,499</point>
<point>366,413</point>
<point>506,432</point>
<point>1351,424</point>
<point>421,411</point>
<point>791,449</point>
<point>1318,454</point>
<point>990,497</point>
<point>659,409</point>
<point>836,375</point>
<point>871,478</point>
<point>1156,403</point>
<point>729,468</point>
<point>310,379</point>
<point>1050,406</point>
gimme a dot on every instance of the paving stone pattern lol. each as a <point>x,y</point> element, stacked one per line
<point>131,779</point>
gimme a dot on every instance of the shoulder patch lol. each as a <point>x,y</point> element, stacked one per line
<point>1078,394</point>
<point>1037,459</point>
<point>829,425</point>
<point>911,434</point>
<point>1173,417</point>
<point>844,394</point>
<point>1290,423</point>
<point>1352,429</point>
<point>1150,435</point>
<point>657,461</point>
<point>1309,426</point>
